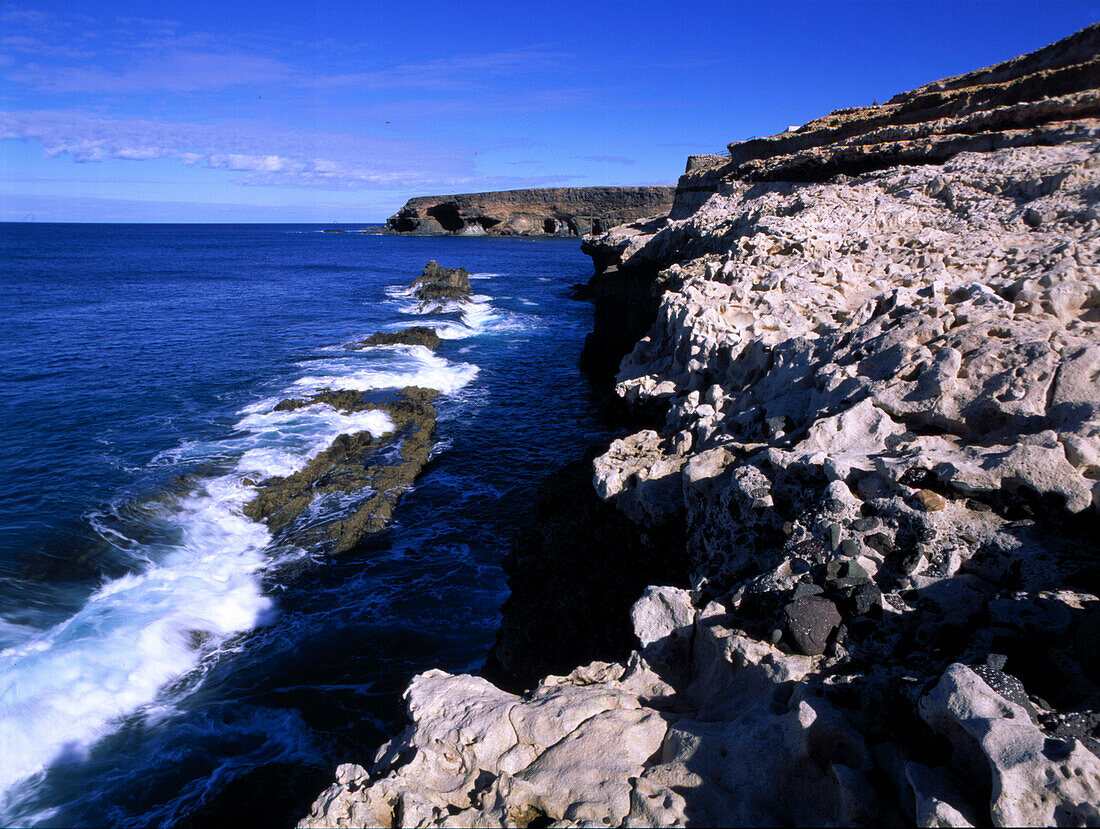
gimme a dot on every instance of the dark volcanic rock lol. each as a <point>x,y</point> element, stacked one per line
<point>811,620</point>
<point>553,211</point>
<point>355,464</point>
<point>345,400</point>
<point>437,283</point>
<point>417,335</point>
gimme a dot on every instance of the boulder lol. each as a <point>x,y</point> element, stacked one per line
<point>1034,780</point>
<point>811,620</point>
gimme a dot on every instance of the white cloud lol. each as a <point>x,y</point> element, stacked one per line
<point>262,155</point>
<point>171,71</point>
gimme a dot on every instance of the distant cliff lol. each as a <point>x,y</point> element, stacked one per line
<point>551,211</point>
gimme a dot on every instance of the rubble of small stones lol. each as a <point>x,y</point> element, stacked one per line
<point>878,390</point>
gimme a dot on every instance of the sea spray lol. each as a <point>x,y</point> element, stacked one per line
<point>66,687</point>
<point>131,419</point>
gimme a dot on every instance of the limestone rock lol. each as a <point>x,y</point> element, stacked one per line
<point>571,752</point>
<point>866,352</point>
<point>661,613</point>
<point>1035,781</point>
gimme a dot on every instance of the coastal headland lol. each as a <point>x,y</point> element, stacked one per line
<point>852,525</point>
<point>551,211</point>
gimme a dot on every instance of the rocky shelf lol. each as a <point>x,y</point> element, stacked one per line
<point>552,211</point>
<point>866,502</point>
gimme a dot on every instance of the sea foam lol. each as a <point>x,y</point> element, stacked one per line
<point>63,688</point>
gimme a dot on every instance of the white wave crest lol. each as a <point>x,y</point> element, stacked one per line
<point>413,365</point>
<point>65,687</point>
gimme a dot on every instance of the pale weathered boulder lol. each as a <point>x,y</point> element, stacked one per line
<point>661,613</point>
<point>1036,781</point>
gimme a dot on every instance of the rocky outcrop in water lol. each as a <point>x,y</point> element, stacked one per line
<point>874,368</point>
<point>551,211</point>
<point>370,473</point>
<point>437,283</point>
<point>417,335</point>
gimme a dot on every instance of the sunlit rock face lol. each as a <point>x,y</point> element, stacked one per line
<point>874,361</point>
<point>551,211</point>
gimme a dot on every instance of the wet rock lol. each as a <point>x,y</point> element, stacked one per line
<point>346,400</point>
<point>417,335</point>
<point>438,283</point>
<point>345,468</point>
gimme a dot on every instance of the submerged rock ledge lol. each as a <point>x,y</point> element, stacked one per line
<point>872,366</point>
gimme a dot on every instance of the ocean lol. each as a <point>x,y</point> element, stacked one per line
<point>164,660</point>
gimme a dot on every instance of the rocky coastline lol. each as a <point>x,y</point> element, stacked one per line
<point>853,530</point>
<point>549,211</point>
<point>369,473</point>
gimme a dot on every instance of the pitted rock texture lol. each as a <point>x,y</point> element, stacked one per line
<point>866,341</point>
<point>552,211</point>
<point>879,394</point>
<point>1048,97</point>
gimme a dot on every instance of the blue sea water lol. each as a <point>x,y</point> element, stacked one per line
<point>163,659</point>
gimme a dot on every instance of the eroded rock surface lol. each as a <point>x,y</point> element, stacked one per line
<point>551,211</point>
<point>875,362</point>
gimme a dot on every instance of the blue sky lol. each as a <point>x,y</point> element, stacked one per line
<point>339,111</point>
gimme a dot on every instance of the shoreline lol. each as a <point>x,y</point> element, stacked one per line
<point>866,371</point>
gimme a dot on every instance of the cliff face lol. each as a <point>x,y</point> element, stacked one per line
<point>555,211</point>
<point>875,360</point>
